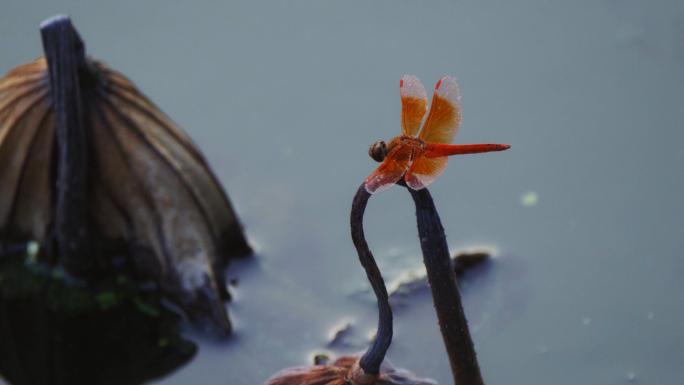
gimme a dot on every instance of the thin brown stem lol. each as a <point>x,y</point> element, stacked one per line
<point>372,359</point>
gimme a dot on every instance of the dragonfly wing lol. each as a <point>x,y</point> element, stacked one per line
<point>413,104</point>
<point>424,171</point>
<point>389,171</point>
<point>445,113</point>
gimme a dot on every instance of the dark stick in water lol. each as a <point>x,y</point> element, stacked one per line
<point>447,300</point>
<point>65,56</point>
<point>372,359</point>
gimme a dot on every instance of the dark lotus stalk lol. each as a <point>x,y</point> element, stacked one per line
<point>371,360</point>
<point>447,300</point>
<point>64,52</point>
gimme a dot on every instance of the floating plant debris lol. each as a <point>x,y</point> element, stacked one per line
<point>469,259</point>
<point>321,359</point>
<point>412,281</point>
<point>340,334</point>
<point>345,371</point>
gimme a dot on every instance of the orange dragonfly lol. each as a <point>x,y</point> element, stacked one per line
<point>421,157</point>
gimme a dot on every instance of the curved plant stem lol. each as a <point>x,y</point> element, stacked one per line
<point>447,300</point>
<point>372,359</point>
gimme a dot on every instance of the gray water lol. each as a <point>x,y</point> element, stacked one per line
<point>585,212</point>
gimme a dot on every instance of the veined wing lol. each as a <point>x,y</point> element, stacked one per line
<point>413,104</point>
<point>390,170</point>
<point>445,113</point>
<point>424,171</point>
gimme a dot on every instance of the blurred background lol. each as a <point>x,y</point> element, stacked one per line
<point>584,212</point>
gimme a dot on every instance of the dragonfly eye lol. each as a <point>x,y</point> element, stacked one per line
<point>378,151</point>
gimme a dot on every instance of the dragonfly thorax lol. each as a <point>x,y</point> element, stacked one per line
<point>406,145</point>
<point>410,147</point>
<point>409,141</point>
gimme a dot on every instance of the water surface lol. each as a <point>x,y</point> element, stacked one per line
<point>284,97</point>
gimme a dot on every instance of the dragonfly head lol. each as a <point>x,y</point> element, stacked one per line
<point>378,151</point>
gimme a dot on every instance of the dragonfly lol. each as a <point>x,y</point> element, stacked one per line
<point>421,155</point>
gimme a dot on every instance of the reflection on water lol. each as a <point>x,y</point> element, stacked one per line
<point>55,330</point>
<point>284,99</point>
